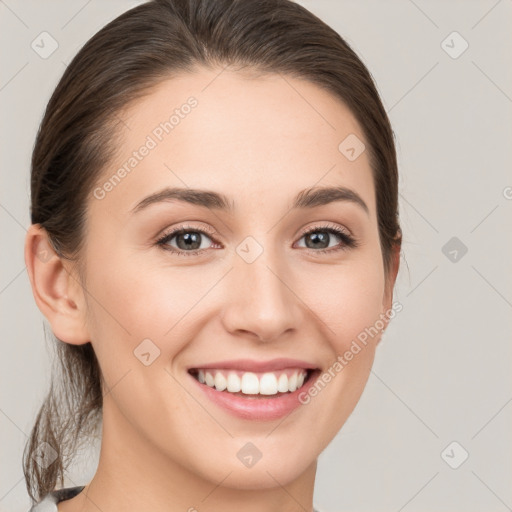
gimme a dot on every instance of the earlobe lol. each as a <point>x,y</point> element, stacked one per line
<point>56,290</point>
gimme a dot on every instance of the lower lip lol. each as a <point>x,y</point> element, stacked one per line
<point>263,409</point>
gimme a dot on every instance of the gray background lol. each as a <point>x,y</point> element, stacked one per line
<point>442,372</point>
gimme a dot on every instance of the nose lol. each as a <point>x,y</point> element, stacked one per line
<point>261,300</point>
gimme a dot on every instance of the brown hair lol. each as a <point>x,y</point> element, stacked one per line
<point>78,137</point>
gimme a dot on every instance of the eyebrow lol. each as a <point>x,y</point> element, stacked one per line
<point>307,198</point>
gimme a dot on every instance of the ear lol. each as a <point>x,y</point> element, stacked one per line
<point>387,300</point>
<point>57,291</point>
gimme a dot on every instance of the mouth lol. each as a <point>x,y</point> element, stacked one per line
<point>256,390</point>
<point>254,385</point>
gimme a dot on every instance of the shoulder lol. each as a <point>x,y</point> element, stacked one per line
<point>49,502</point>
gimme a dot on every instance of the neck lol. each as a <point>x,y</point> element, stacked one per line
<point>134,474</point>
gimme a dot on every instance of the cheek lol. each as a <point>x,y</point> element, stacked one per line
<point>133,311</point>
<point>348,299</point>
<point>348,302</point>
<point>133,301</point>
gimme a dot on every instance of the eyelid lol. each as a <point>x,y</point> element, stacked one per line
<point>186,227</point>
<point>325,225</point>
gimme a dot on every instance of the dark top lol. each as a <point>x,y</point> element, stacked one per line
<point>49,502</point>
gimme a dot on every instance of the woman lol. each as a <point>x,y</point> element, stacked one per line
<point>214,243</point>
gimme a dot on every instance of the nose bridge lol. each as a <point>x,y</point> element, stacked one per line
<point>261,300</point>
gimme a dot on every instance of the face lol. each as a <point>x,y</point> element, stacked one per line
<point>253,276</point>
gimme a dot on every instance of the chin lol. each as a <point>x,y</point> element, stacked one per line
<point>264,474</point>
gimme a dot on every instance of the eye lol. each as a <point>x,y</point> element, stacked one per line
<point>188,240</point>
<point>319,238</point>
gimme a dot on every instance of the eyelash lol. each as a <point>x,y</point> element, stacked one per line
<point>348,241</point>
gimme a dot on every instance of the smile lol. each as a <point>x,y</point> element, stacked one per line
<point>252,383</point>
<point>255,391</point>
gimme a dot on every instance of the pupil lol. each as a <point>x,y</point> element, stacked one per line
<point>192,240</point>
<point>319,237</point>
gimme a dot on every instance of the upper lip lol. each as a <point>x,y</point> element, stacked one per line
<point>258,366</point>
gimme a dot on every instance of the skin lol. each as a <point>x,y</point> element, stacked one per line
<point>165,446</point>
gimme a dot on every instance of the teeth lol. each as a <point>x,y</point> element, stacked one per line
<point>220,381</point>
<point>282,385</point>
<point>268,384</point>
<point>250,383</point>
<point>234,383</point>
<point>210,381</point>
<point>292,382</point>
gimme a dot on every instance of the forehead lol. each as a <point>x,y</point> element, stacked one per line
<point>262,136</point>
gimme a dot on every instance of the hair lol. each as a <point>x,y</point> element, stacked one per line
<point>79,132</point>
